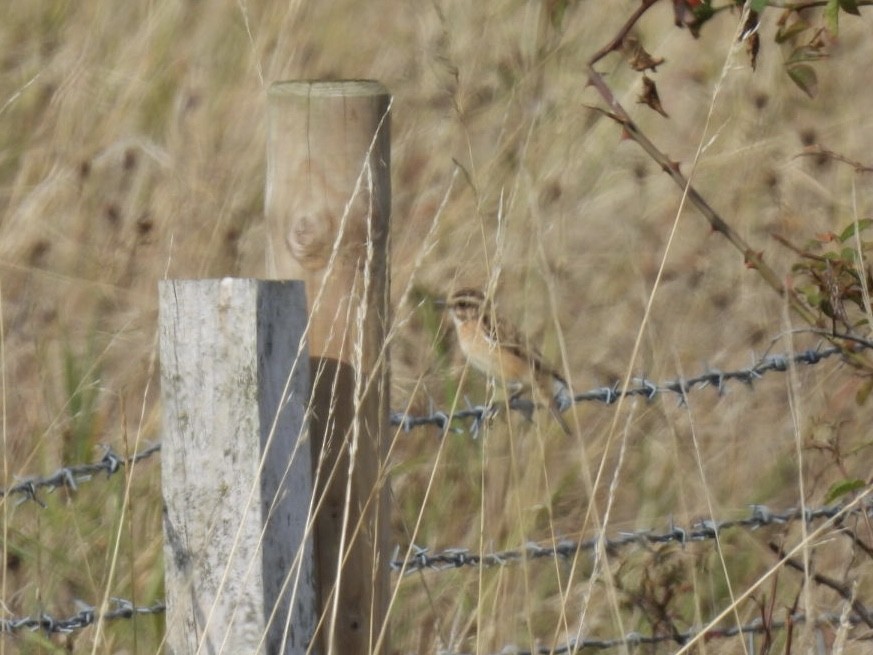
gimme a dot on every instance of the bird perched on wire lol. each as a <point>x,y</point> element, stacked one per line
<point>496,348</point>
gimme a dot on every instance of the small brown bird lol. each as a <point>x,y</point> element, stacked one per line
<point>496,348</point>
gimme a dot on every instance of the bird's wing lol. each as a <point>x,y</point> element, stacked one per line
<point>505,335</point>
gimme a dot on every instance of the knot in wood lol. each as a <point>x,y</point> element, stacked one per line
<point>310,238</point>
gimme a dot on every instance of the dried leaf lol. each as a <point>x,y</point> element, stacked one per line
<point>750,26</point>
<point>835,297</point>
<point>640,60</point>
<point>753,44</point>
<point>649,96</point>
<point>749,34</point>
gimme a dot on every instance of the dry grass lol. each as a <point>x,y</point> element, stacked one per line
<point>132,148</point>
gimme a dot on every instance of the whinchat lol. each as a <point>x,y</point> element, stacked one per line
<point>496,348</point>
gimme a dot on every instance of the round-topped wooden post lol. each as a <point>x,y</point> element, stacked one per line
<point>328,200</point>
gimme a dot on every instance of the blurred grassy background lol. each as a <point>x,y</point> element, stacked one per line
<point>132,148</point>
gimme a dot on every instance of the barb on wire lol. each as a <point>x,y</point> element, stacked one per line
<point>123,609</point>
<point>635,639</point>
<point>452,558</point>
<point>69,477</point>
<point>642,387</point>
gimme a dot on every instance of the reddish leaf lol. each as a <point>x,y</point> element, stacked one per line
<point>680,11</point>
<point>692,14</point>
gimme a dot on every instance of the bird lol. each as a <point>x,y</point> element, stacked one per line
<point>492,345</point>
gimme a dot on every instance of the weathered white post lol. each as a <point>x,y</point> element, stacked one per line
<point>235,388</point>
<point>327,205</point>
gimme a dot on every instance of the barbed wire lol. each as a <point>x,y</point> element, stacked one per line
<point>642,386</point>
<point>453,558</point>
<point>124,609</point>
<point>69,477</point>
<point>757,626</point>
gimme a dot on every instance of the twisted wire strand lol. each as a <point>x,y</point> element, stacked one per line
<point>636,639</point>
<point>422,558</point>
<point>69,477</point>
<point>649,389</point>
<point>123,609</point>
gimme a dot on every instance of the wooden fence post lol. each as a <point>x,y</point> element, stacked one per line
<point>328,200</point>
<point>235,386</point>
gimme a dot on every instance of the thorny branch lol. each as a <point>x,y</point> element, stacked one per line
<point>616,112</point>
<point>821,151</point>
<point>618,40</point>
<point>819,578</point>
